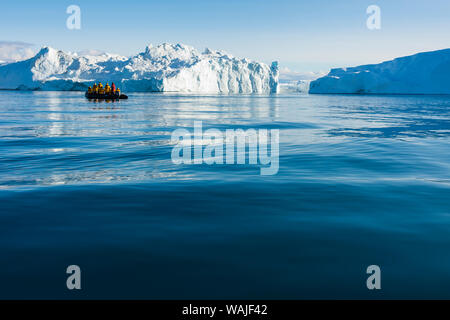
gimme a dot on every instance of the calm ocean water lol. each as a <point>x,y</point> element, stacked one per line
<point>363,180</point>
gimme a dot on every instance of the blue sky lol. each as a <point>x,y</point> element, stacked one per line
<point>301,35</point>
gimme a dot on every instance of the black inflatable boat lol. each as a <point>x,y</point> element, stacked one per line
<point>105,96</point>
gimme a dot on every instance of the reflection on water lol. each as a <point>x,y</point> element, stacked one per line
<point>74,140</point>
<point>53,134</point>
<point>362,180</point>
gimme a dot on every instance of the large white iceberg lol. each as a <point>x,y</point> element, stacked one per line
<point>423,73</point>
<point>166,67</point>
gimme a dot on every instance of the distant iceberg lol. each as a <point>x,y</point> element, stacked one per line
<point>299,86</point>
<point>423,73</point>
<point>296,82</point>
<point>164,68</point>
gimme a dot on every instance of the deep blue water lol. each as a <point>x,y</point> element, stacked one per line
<point>363,180</point>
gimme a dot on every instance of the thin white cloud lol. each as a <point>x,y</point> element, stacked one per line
<point>15,50</point>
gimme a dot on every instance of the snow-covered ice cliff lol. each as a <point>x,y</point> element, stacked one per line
<point>423,73</point>
<point>166,67</point>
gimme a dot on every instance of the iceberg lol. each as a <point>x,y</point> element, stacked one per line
<point>164,68</point>
<point>422,73</point>
<point>296,82</point>
<point>299,86</point>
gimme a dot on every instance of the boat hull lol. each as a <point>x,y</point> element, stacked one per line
<point>105,96</point>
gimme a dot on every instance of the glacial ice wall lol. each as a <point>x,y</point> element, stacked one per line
<point>164,68</point>
<point>423,73</point>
